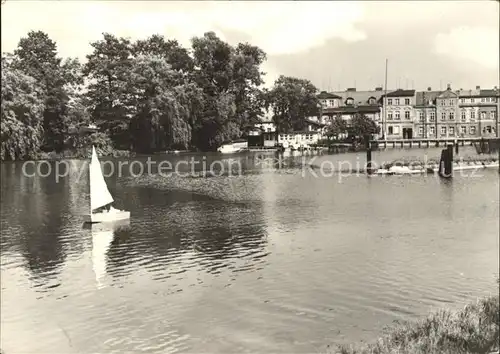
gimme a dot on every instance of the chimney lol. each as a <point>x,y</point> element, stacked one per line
<point>351,89</point>
<point>378,88</point>
<point>429,88</point>
<point>478,87</point>
<point>448,87</point>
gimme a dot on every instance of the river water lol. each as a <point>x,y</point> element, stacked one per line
<point>275,259</point>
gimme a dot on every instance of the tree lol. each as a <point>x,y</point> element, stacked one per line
<point>361,126</point>
<point>337,127</point>
<point>22,106</point>
<point>170,50</point>
<point>230,78</point>
<point>164,114</point>
<point>36,56</point>
<point>292,100</point>
<point>107,70</point>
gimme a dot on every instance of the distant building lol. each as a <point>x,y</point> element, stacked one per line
<point>479,109</point>
<point>447,114</point>
<point>266,132</point>
<point>313,133</point>
<point>346,104</point>
<point>425,114</point>
<point>399,114</point>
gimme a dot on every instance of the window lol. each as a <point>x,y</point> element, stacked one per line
<point>390,131</point>
<point>443,130</point>
<point>389,101</point>
<point>371,100</point>
<point>493,99</point>
<point>492,115</point>
<point>472,130</point>
<point>432,117</point>
<point>472,115</point>
<point>483,100</point>
<point>421,131</point>
<point>443,115</point>
<point>452,102</point>
<point>462,100</point>
<point>396,101</point>
<point>452,130</point>
<point>350,101</point>
<point>398,115</point>
<point>432,130</point>
<point>396,130</point>
<point>389,116</point>
<point>483,115</point>
<point>463,130</point>
<point>451,116</point>
<point>421,116</point>
<point>464,116</point>
<point>407,114</point>
<point>407,101</point>
<point>331,103</point>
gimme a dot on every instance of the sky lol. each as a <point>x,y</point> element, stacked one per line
<point>335,44</point>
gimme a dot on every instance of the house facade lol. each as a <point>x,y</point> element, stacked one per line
<point>346,104</point>
<point>399,114</point>
<point>425,114</point>
<point>447,112</point>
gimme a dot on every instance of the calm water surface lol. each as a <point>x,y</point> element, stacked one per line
<point>275,260</point>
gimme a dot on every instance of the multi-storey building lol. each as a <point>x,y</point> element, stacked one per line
<point>347,104</point>
<point>480,109</point>
<point>446,114</point>
<point>399,114</point>
<point>425,114</point>
<point>407,114</point>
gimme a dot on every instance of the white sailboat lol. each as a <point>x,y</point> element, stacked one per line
<point>100,196</point>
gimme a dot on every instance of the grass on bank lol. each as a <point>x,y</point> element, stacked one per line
<point>475,329</point>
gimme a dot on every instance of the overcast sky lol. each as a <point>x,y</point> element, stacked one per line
<point>335,44</point>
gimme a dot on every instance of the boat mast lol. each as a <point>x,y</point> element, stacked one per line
<point>384,103</point>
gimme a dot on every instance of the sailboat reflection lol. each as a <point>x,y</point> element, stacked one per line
<point>102,237</point>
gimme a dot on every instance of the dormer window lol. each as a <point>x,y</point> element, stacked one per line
<point>349,101</point>
<point>371,100</point>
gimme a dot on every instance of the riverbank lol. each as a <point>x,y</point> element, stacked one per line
<point>475,329</point>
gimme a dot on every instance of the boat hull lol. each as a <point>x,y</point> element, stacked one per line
<point>107,217</point>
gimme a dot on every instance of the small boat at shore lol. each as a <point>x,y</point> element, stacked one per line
<point>232,147</point>
<point>100,196</point>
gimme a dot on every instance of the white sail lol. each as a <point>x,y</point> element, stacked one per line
<point>99,192</point>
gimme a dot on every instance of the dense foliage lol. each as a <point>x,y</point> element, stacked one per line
<point>145,95</point>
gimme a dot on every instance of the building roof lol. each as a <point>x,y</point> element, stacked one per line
<point>359,97</point>
<point>326,95</point>
<point>354,109</point>
<point>313,122</point>
<point>401,93</point>
<point>489,93</point>
<point>448,93</point>
<point>427,95</point>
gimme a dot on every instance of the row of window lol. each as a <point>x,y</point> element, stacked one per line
<point>477,100</point>
<point>397,115</point>
<point>293,136</point>
<point>407,101</point>
<point>463,116</point>
<point>450,130</point>
<point>396,101</point>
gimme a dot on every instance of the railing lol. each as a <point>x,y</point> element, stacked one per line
<point>428,142</point>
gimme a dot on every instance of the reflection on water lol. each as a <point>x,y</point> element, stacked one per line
<point>102,237</point>
<point>270,261</point>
